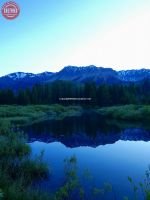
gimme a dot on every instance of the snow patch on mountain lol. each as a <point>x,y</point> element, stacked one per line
<point>134,75</point>
<point>20,75</point>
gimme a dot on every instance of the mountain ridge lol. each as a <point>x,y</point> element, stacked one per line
<point>82,74</point>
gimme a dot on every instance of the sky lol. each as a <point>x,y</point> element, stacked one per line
<point>51,34</point>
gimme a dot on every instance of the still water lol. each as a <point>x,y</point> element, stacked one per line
<point>111,152</point>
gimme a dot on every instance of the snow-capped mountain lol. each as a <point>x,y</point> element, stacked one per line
<point>134,75</point>
<point>23,80</point>
<point>99,75</point>
<point>23,75</point>
<point>20,75</point>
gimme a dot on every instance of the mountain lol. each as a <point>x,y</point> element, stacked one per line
<point>19,75</point>
<point>84,74</point>
<point>22,80</point>
<point>134,75</point>
<point>99,75</point>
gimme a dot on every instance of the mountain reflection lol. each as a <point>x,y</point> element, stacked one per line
<point>87,130</point>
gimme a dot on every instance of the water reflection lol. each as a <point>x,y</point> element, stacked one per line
<point>87,130</point>
<point>126,153</point>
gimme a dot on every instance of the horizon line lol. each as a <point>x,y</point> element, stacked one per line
<point>86,66</point>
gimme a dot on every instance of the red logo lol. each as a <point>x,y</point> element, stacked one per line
<point>10,10</point>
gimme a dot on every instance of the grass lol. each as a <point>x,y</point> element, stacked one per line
<point>17,170</point>
<point>127,112</point>
<point>33,113</point>
<point>25,115</point>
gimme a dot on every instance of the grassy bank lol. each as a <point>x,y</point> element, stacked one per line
<point>34,113</point>
<point>127,112</point>
<point>24,115</point>
<point>17,170</point>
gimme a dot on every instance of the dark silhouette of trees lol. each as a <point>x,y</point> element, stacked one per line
<point>101,95</point>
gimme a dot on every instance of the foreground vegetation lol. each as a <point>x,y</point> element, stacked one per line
<point>17,170</point>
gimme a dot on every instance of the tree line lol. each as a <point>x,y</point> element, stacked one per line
<point>101,95</point>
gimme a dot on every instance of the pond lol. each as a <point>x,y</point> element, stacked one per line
<point>110,151</point>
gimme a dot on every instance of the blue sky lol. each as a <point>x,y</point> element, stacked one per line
<point>51,34</point>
